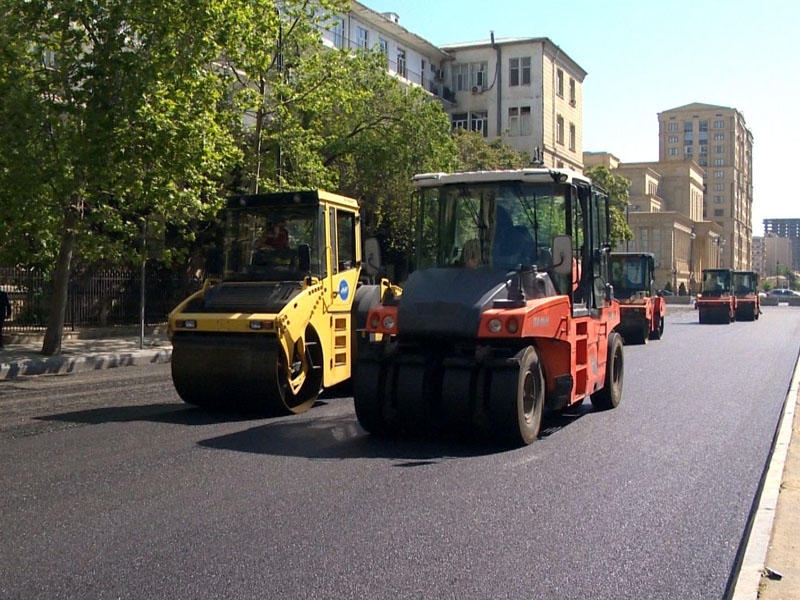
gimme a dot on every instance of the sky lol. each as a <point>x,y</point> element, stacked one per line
<point>644,57</point>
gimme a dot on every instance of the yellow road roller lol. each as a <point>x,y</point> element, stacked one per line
<point>281,319</point>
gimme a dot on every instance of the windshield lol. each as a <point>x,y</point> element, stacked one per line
<point>745,283</point>
<point>497,225</point>
<point>629,274</point>
<point>716,281</point>
<point>267,243</point>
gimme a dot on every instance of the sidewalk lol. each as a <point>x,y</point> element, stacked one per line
<point>84,350</point>
<point>771,564</point>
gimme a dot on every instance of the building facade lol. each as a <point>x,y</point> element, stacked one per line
<point>790,230</point>
<point>525,91</point>
<point>717,139</point>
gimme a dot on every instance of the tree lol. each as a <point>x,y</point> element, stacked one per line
<point>111,112</point>
<point>618,188</point>
<point>476,154</point>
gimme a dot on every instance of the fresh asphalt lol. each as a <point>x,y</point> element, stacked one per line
<point>767,548</point>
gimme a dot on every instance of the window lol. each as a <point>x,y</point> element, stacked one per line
<point>383,46</point>
<point>479,121</point>
<point>719,174</point>
<point>513,72</point>
<point>572,97</point>
<point>719,212</point>
<point>672,152</point>
<point>560,130</point>
<point>718,137</point>
<point>526,70</point>
<point>719,124</point>
<point>338,33</point>
<point>460,74</point>
<point>459,120</point>
<point>718,199</point>
<point>703,150</point>
<point>525,120</point>
<point>401,62</point>
<point>361,37</point>
<point>719,187</point>
<point>345,241</point>
<point>513,121</point>
<point>572,136</point>
<point>673,139</point>
<point>560,83</point>
<point>672,126</point>
<point>719,162</point>
<point>689,150</point>
<point>703,125</point>
<point>719,149</point>
<point>703,162</point>
<point>477,73</point>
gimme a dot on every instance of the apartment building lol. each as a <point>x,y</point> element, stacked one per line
<point>525,91</point>
<point>788,229</point>
<point>717,139</point>
<point>409,57</point>
<point>665,213</point>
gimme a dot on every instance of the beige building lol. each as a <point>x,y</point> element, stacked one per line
<point>526,91</point>
<point>773,255</point>
<point>717,139</point>
<point>665,213</point>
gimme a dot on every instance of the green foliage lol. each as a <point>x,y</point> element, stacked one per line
<point>618,188</point>
<point>476,154</point>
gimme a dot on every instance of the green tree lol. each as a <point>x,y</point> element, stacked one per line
<point>618,188</point>
<point>110,115</point>
<point>476,154</point>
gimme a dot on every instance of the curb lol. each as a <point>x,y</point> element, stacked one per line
<point>55,365</point>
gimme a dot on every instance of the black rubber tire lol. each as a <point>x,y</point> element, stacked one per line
<point>516,400</point>
<point>458,398</point>
<point>611,394</point>
<point>369,396</point>
<point>644,336</point>
<point>658,333</point>
<point>415,391</point>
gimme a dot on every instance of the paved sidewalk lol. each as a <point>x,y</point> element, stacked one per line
<point>771,564</point>
<point>84,350</point>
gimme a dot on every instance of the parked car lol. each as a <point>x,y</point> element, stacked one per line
<point>783,293</point>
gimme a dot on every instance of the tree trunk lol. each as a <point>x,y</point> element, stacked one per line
<point>58,308</point>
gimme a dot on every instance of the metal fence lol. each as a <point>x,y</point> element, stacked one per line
<point>96,298</point>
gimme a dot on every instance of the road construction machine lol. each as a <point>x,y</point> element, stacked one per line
<point>642,308</point>
<point>280,321</point>
<point>745,288</point>
<point>508,312</point>
<point>716,302</point>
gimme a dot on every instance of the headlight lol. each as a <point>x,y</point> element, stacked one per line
<point>512,326</point>
<point>388,322</point>
<point>495,325</point>
<point>186,324</point>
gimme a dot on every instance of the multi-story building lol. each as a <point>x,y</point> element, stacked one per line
<point>717,139</point>
<point>409,57</point>
<point>665,213</point>
<point>790,230</point>
<point>525,91</point>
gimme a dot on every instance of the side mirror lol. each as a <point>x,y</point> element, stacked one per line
<point>562,255</point>
<point>371,262</point>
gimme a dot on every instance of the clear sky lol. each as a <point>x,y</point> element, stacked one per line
<point>644,57</point>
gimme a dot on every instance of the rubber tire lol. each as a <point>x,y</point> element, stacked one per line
<point>659,331</point>
<point>611,394</point>
<point>517,400</point>
<point>369,395</point>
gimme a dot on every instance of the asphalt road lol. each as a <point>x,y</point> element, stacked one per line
<point>112,488</point>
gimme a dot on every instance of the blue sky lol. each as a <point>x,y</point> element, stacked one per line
<point>744,55</point>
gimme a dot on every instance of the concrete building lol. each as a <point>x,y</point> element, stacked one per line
<point>409,57</point>
<point>717,139</point>
<point>665,213</point>
<point>526,91</point>
<point>790,230</point>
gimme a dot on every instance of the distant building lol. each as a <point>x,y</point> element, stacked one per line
<point>790,230</point>
<point>717,139</point>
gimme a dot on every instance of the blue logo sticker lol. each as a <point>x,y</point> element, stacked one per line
<point>344,290</point>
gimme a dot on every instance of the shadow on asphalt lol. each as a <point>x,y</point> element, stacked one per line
<point>323,437</point>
